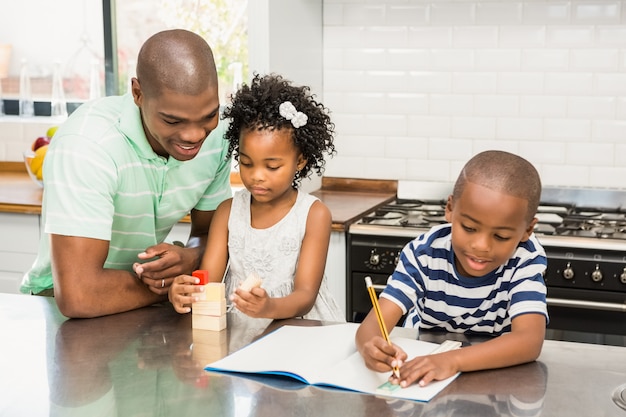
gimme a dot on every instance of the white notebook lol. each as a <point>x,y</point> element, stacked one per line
<point>325,356</point>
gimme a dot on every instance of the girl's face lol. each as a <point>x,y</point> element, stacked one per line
<point>487,226</point>
<point>268,162</point>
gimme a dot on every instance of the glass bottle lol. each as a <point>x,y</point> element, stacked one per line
<point>94,80</point>
<point>1,100</point>
<point>27,106</point>
<point>58,103</point>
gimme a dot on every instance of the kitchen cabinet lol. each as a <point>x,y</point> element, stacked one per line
<point>18,248</point>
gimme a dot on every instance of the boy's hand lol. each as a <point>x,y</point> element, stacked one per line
<point>424,369</point>
<point>254,303</point>
<point>380,356</point>
<point>181,292</point>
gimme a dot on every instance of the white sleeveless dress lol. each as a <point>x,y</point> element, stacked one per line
<point>273,253</point>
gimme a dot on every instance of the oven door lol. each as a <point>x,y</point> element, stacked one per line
<point>360,299</point>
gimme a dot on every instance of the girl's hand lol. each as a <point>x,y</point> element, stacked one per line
<point>424,369</point>
<point>181,292</point>
<point>380,356</point>
<point>254,303</point>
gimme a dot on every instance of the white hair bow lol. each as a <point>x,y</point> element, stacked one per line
<point>289,112</point>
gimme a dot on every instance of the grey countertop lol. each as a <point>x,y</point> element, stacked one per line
<point>148,362</point>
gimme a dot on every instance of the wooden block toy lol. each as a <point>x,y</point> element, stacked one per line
<point>214,323</point>
<point>209,346</point>
<point>209,308</point>
<point>213,291</point>
<point>203,275</point>
<point>252,281</point>
<point>208,337</point>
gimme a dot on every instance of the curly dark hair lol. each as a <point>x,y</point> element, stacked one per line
<point>255,106</point>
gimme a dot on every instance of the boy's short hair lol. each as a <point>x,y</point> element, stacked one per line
<point>504,172</point>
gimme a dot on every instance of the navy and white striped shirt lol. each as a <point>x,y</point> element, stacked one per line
<point>427,286</point>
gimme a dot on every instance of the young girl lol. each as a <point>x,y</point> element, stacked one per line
<point>278,133</point>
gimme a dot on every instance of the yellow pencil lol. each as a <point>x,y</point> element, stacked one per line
<point>379,317</point>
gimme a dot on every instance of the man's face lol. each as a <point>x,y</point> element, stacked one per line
<point>487,226</point>
<point>176,124</point>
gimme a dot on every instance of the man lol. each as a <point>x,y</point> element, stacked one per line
<point>120,172</point>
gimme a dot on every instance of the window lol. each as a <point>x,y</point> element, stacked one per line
<point>93,46</point>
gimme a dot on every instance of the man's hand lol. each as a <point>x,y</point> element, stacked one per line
<point>166,262</point>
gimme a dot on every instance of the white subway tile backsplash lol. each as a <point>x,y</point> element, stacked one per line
<point>552,13</point>
<point>542,152</point>
<point>607,177</point>
<point>498,12</point>
<point>611,83</point>
<point>593,107</point>
<point>496,105</point>
<point>575,36</point>
<point>407,14</point>
<point>520,128</point>
<point>489,59</point>
<point>475,82</point>
<point>402,103</point>
<point>445,148</point>
<point>475,37</point>
<point>564,175</point>
<point>386,168</point>
<point>529,36</point>
<point>361,146</point>
<point>568,130</point>
<point>363,14</point>
<point>383,36</point>
<point>406,147</point>
<point>429,82</point>
<point>595,59</point>
<point>427,169</point>
<point>451,104</point>
<point>474,127</point>
<point>598,11</point>
<point>452,13</point>
<point>501,145</point>
<point>609,131</point>
<point>429,37</point>
<point>452,59</point>
<point>589,154</point>
<point>543,106</point>
<point>569,83</point>
<point>359,103</point>
<point>429,126</point>
<point>371,59</point>
<point>619,160</point>
<point>611,35</point>
<point>546,59</point>
<point>520,82</point>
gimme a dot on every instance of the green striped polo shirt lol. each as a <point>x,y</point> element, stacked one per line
<point>104,181</point>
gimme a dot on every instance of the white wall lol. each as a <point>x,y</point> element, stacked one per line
<point>417,87</point>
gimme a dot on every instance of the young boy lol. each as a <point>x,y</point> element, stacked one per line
<point>480,274</point>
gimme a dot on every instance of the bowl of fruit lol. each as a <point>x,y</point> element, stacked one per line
<point>33,158</point>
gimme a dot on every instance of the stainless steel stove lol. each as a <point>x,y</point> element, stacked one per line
<point>582,231</point>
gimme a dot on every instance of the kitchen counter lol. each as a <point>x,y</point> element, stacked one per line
<point>347,199</point>
<point>149,362</point>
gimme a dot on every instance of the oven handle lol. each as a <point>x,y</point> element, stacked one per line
<point>378,287</point>
<point>592,305</point>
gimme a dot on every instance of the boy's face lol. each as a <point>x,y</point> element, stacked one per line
<point>487,226</point>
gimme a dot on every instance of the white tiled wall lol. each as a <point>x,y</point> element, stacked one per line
<point>417,87</point>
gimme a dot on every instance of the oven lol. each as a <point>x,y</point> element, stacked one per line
<point>582,231</point>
